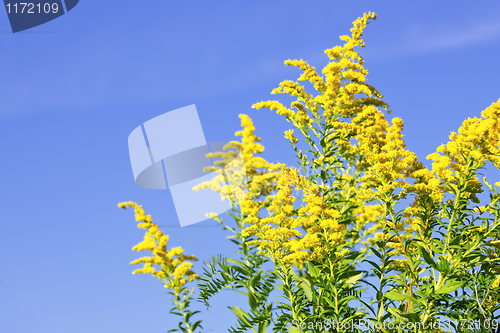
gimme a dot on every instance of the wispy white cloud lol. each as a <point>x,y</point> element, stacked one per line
<point>419,40</point>
<point>426,39</point>
<point>432,39</point>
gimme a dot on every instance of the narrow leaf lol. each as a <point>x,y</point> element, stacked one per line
<point>452,286</point>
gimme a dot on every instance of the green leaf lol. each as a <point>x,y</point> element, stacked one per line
<point>376,253</point>
<point>195,325</point>
<point>354,279</point>
<point>399,297</point>
<point>313,270</point>
<point>252,300</point>
<point>455,241</point>
<point>427,257</point>
<point>234,261</point>
<point>239,313</point>
<point>452,286</point>
<point>443,266</point>
<point>380,313</point>
<point>239,269</point>
<point>262,328</point>
<point>255,279</point>
<point>375,265</point>
<point>322,142</point>
<point>397,313</point>
<point>306,287</point>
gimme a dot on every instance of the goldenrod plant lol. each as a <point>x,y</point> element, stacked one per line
<point>244,274</point>
<point>171,267</point>
<point>362,236</point>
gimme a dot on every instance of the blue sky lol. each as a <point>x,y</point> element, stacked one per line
<point>73,89</point>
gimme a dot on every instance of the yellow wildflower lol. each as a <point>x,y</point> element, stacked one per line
<point>171,265</point>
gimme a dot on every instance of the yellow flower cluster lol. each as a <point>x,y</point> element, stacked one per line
<point>496,283</point>
<point>490,301</point>
<point>335,99</point>
<point>477,141</point>
<point>277,235</point>
<point>386,162</point>
<point>387,166</point>
<point>255,176</point>
<point>289,135</point>
<point>300,118</point>
<point>350,108</point>
<point>172,266</point>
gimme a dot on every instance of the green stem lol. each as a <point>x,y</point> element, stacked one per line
<point>181,306</point>
<point>288,285</point>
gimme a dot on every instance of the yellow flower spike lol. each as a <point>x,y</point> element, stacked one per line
<point>260,173</point>
<point>174,252</point>
<point>140,217</point>
<point>143,225</point>
<point>182,269</point>
<point>275,105</point>
<point>143,260</point>
<point>163,240</point>
<point>289,135</point>
<point>161,275</point>
<point>475,141</point>
<point>147,244</point>
<point>148,268</point>
<point>276,236</point>
<point>156,242</point>
<point>193,277</point>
